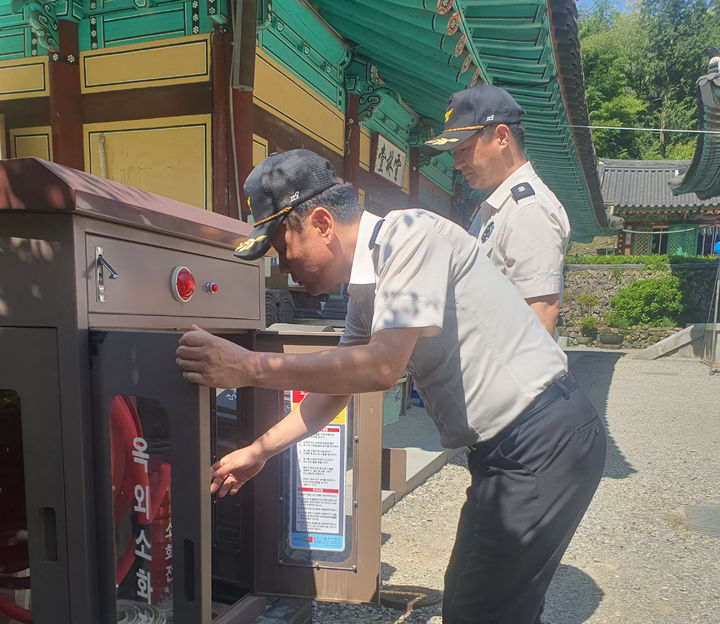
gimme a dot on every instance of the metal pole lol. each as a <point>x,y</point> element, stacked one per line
<point>713,333</point>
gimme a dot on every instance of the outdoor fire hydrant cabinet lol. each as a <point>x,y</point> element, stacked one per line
<point>105,511</point>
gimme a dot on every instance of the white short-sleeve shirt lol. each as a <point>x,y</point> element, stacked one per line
<point>483,356</point>
<point>525,238</point>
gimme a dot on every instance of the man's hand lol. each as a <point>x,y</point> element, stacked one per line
<point>234,470</point>
<point>211,361</point>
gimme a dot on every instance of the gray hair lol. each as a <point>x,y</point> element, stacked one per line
<point>516,130</point>
<point>338,200</point>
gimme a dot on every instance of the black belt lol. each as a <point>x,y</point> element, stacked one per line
<point>560,387</point>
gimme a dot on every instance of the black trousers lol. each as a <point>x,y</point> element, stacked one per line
<point>531,485</point>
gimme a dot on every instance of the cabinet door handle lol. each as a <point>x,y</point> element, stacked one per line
<point>113,273</point>
<point>100,264</point>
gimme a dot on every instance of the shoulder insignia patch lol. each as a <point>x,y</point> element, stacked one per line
<point>375,233</point>
<point>487,231</point>
<point>522,190</point>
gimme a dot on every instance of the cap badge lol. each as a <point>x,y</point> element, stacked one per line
<point>487,231</point>
<point>294,196</point>
<point>490,118</point>
<point>441,141</point>
<point>249,242</point>
<point>447,115</point>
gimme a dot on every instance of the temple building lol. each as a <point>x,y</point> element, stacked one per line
<point>656,219</point>
<point>672,207</point>
<point>181,98</point>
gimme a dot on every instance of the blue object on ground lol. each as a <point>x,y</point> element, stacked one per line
<point>415,395</point>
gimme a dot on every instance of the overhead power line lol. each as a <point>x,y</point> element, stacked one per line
<point>657,232</point>
<point>645,129</point>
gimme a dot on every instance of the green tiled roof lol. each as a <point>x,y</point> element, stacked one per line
<point>529,47</point>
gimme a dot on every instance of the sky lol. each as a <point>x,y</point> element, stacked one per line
<point>620,4</point>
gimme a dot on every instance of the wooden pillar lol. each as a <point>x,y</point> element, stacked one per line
<point>242,103</point>
<point>225,199</point>
<point>4,146</point>
<point>351,162</point>
<point>65,98</point>
<point>414,183</point>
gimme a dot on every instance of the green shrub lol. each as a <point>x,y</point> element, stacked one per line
<point>655,302</point>
<point>691,259</point>
<point>588,327</point>
<point>613,319</point>
<point>587,300</point>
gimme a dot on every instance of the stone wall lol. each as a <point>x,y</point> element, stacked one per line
<point>603,281</point>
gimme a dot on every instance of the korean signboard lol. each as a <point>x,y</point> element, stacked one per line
<point>389,160</point>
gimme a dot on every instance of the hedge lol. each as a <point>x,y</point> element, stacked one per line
<point>654,261</point>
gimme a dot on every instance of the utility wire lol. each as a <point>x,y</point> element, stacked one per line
<point>657,232</point>
<point>645,129</point>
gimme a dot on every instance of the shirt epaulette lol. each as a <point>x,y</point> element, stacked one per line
<point>376,231</point>
<point>522,190</point>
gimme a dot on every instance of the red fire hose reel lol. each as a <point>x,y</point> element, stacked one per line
<point>126,475</point>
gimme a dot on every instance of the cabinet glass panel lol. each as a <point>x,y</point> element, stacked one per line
<point>319,493</point>
<point>142,510</point>
<point>14,557</point>
<point>228,436</point>
<point>231,522</point>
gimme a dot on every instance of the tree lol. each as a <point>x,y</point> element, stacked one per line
<point>669,62</point>
<point>606,35</point>
<point>640,69</point>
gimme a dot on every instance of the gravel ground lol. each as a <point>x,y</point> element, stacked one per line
<point>635,559</point>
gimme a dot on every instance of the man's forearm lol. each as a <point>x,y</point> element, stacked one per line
<point>314,413</point>
<point>347,370</point>
<point>212,361</point>
<point>337,371</point>
<point>546,308</point>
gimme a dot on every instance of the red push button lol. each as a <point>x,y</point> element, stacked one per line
<point>212,287</point>
<point>182,284</point>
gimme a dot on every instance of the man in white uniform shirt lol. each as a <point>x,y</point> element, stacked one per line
<point>521,226</point>
<point>423,298</point>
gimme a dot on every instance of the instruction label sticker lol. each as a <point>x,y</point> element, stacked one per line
<point>317,515</point>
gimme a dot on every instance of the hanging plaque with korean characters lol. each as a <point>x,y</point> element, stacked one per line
<point>389,160</point>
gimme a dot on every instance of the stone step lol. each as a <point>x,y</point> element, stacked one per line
<point>688,342</point>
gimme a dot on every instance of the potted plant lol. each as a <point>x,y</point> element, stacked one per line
<point>610,337</point>
<point>588,330</point>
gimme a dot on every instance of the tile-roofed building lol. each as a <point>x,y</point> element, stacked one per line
<point>656,219</point>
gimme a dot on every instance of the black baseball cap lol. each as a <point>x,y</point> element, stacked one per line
<point>471,110</point>
<point>276,186</point>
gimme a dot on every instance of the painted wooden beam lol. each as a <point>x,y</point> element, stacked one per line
<point>243,118</point>
<point>65,98</point>
<point>147,103</point>
<point>352,133</point>
<point>225,199</point>
<point>414,184</point>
